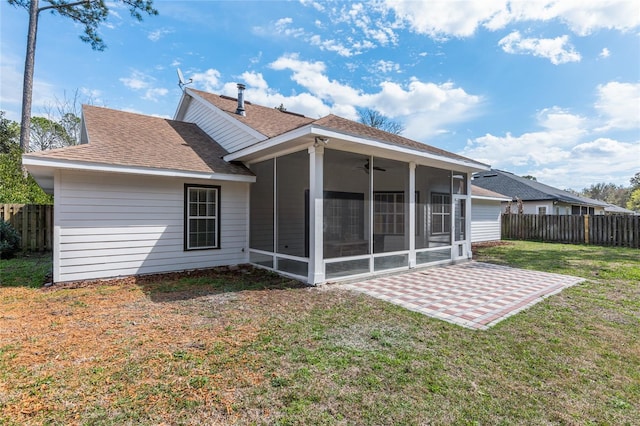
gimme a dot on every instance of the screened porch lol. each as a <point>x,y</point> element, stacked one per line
<point>325,214</point>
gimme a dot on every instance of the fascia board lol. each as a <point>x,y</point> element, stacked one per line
<point>110,168</point>
<point>245,128</point>
<point>481,197</point>
<point>182,106</point>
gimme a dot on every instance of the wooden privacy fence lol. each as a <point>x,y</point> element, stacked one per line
<point>618,230</point>
<point>33,222</point>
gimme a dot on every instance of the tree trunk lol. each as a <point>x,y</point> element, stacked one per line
<point>27,87</point>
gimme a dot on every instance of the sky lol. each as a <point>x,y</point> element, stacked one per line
<point>547,88</point>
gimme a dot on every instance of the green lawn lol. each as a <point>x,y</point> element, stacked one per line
<point>202,350</point>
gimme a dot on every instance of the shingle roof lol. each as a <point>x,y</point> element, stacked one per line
<point>272,122</point>
<point>527,190</point>
<point>482,192</point>
<point>343,125</point>
<point>128,139</point>
<point>268,121</point>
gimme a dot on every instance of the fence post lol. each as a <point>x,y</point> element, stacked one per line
<point>586,229</point>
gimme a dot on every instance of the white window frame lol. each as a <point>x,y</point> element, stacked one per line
<point>538,208</point>
<point>388,214</point>
<point>188,191</point>
<point>443,214</point>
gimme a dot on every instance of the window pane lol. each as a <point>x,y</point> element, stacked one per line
<point>293,267</point>
<point>202,217</point>
<point>433,256</point>
<point>261,259</point>
<point>390,262</point>
<point>349,267</point>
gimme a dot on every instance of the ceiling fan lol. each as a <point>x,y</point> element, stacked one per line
<point>367,167</point>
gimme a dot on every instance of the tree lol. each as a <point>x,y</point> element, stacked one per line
<point>67,112</point>
<point>9,134</point>
<point>635,181</point>
<point>373,118</point>
<point>533,178</point>
<point>608,192</point>
<point>634,200</point>
<point>90,13</point>
<point>48,134</point>
<point>15,186</point>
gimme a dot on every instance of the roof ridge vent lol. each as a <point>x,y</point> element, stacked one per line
<point>240,110</point>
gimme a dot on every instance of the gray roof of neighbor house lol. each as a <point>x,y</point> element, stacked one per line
<point>135,140</point>
<point>272,122</point>
<point>526,189</point>
<point>613,209</point>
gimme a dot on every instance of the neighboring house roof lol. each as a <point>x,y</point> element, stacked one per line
<point>528,190</point>
<point>272,122</point>
<point>613,209</point>
<point>482,193</point>
<point>134,140</point>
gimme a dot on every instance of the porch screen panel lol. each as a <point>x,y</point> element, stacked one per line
<point>433,213</point>
<point>346,205</point>
<point>390,205</point>
<point>292,205</point>
<point>261,211</point>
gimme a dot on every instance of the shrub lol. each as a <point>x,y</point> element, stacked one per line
<point>9,240</point>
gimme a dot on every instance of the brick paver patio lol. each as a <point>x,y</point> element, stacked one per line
<point>473,294</point>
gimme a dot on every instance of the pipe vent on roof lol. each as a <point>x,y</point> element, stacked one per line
<point>240,110</point>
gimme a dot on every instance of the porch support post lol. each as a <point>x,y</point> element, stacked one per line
<point>412,215</point>
<point>316,210</point>
<point>468,217</point>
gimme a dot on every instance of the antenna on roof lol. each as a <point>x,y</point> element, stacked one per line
<point>181,80</point>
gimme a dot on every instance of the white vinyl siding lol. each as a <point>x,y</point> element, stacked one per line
<point>485,220</point>
<point>228,134</point>
<point>112,225</point>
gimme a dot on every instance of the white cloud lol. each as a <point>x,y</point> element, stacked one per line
<point>561,132</point>
<point>560,152</point>
<point>316,5</point>
<point>283,27</point>
<point>599,160</point>
<point>141,82</point>
<point>443,19</point>
<point>425,108</point>
<point>557,50</point>
<point>387,66</point>
<point>605,53</point>
<point>154,93</point>
<point>208,80</point>
<point>158,34</point>
<point>331,46</point>
<point>619,105</point>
